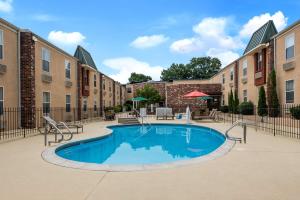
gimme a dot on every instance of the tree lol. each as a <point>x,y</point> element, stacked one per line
<point>262,108</point>
<point>197,68</point>
<point>138,78</point>
<point>150,93</point>
<point>272,97</point>
<point>236,103</point>
<point>230,102</point>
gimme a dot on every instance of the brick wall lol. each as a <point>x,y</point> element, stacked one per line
<point>27,58</point>
<point>175,95</point>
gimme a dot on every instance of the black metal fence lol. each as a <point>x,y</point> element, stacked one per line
<point>283,120</point>
<point>18,122</point>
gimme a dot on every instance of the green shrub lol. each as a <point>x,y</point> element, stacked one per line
<point>246,108</point>
<point>224,109</point>
<point>118,108</point>
<point>262,108</point>
<point>295,111</point>
<point>108,109</point>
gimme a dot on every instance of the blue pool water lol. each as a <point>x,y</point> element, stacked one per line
<point>136,144</point>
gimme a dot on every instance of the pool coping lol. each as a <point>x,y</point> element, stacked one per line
<point>50,156</point>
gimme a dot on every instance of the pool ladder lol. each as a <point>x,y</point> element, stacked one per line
<point>237,123</point>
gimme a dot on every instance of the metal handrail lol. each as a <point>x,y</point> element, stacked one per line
<point>55,125</point>
<point>237,123</point>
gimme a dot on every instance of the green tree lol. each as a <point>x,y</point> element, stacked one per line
<point>138,78</point>
<point>236,103</point>
<point>150,93</point>
<point>262,108</point>
<point>273,102</point>
<point>230,102</point>
<point>197,68</point>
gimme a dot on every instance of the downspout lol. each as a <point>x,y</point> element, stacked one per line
<point>19,75</point>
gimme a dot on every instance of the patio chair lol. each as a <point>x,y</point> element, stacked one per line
<point>169,113</point>
<point>109,115</point>
<point>160,113</point>
<point>212,115</point>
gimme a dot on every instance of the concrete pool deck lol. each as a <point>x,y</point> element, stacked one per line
<point>267,167</point>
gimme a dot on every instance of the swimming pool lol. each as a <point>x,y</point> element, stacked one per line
<point>144,145</point>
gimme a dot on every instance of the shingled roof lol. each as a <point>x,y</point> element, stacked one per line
<point>84,57</point>
<point>261,36</point>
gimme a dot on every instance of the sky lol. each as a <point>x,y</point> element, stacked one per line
<point>147,36</point>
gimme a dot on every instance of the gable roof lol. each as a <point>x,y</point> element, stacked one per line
<point>84,57</point>
<point>262,35</point>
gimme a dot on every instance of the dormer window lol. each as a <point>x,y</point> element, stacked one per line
<point>259,62</point>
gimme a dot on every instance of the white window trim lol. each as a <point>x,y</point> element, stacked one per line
<point>1,86</point>
<point>285,46</point>
<point>49,100</point>
<point>2,44</point>
<point>67,61</point>
<point>43,49</point>
<point>285,91</point>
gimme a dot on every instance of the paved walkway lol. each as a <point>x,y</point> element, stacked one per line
<point>266,167</point>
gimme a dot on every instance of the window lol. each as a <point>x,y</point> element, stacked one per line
<point>245,95</point>
<point>1,44</point>
<point>223,99</point>
<point>95,105</point>
<point>223,78</point>
<point>1,100</point>
<point>46,59</point>
<point>68,103</point>
<point>259,62</point>
<point>68,69</point>
<point>103,103</point>
<point>84,104</point>
<point>290,46</point>
<point>245,64</point>
<point>103,84</point>
<point>109,103</point>
<point>289,91</point>
<point>95,80</point>
<point>231,74</point>
<point>46,102</point>
<point>109,86</point>
<point>129,90</point>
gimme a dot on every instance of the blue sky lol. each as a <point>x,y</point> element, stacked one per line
<point>148,35</point>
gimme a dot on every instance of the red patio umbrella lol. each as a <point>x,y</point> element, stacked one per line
<point>195,94</point>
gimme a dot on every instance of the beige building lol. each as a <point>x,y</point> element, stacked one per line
<point>287,63</point>
<point>9,66</point>
<point>108,91</point>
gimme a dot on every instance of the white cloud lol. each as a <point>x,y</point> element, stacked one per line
<point>210,33</point>
<point>255,22</point>
<point>144,42</point>
<point>226,56</point>
<point>212,37</point>
<point>6,6</point>
<point>44,17</point>
<point>186,45</point>
<point>126,65</point>
<point>65,38</point>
